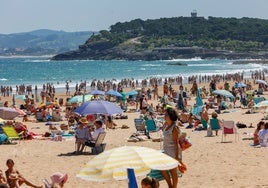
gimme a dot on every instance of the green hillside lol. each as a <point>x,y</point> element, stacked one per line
<point>41,42</point>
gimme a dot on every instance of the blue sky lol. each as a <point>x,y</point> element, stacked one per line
<point>94,15</point>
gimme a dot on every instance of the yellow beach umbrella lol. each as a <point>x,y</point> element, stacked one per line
<point>114,163</point>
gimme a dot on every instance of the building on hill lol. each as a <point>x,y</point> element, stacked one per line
<point>194,14</point>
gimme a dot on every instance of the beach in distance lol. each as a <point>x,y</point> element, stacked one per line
<point>210,162</point>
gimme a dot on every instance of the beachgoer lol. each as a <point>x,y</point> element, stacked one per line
<point>81,135</point>
<point>165,88</point>
<point>14,178</point>
<point>256,140</point>
<point>110,123</point>
<point>263,135</point>
<point>58,179</point>
<point>149,182</point>
<point>204,116</point>
<point>214,115</point>
<point>170,145</point>
<point>155,91</point>
<point>93,136</point>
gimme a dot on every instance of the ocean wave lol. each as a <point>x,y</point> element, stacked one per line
<point>192,59</point>
<point>200,65</point>
<point>3,79</point>
<point>151,65</point>
<point>37,60</point>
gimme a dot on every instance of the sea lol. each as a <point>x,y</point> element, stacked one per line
<point>41,70</point>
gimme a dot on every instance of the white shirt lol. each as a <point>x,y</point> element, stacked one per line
<point>263,137</point>
<point>96,133</point>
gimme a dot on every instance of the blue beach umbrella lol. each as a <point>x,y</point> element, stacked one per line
<point>239,85</point>
<point>98,107</point>
<point>97,92</point>
<point>113,93</point>
<point>132,92</point>
<point>198,100</point>
<point>197,108</point>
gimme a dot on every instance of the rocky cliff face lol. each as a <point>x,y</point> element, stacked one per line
<point>107,51</point>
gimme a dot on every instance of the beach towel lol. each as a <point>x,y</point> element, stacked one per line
<point>3,138</point>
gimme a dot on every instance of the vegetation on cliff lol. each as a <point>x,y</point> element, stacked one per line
<point>220,35</point>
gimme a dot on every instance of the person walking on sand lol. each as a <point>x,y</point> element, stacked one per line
<point>170,145</point>
<point>14,178</point>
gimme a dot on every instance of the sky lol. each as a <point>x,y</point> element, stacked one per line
<point>95,15</point>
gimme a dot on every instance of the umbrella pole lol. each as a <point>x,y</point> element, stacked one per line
<point>132,182</point>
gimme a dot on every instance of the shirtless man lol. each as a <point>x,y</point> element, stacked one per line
<point>205,116</point>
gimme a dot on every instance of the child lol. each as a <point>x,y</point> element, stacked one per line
<point>260,126</point>
<point>149,182</point>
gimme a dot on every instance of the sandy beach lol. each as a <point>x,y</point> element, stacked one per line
<point>210,163</point>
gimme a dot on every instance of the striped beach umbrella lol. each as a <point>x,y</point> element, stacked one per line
<point>8,113</point>
<point>114,163</point>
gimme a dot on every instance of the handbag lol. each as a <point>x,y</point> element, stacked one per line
<point>184,143</point>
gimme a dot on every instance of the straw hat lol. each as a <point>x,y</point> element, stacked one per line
<point>58,178</point>
<point>83,120</point>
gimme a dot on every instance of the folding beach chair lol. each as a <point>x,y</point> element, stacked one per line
<point>98,146</point>
<point>229,127</point>
<point>140,125</point>
<point>151,126</point>
<point>12,134</point>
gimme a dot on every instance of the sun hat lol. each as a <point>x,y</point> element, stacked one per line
<point>83,120</point>
<point>58,177</point>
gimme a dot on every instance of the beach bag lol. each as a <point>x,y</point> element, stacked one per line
<point>241,125</point>
<point>184,142</point>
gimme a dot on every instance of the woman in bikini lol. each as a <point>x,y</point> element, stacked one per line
<point>14,178</point>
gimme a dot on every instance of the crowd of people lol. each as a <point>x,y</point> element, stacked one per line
<point>173,108</point>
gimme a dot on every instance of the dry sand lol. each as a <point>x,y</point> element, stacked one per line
<point>210,163</point>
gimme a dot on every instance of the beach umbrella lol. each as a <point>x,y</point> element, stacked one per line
<point>262,104</point>
<point>198,107</point>
<point>132,92</point>
<point>98,107</point>
<point>21,112</point>
<point>224,93</point>
<point>79,98</point>
<point>198,100</point>
<point>8,113</point>
<point>97,92</point>
<point>114,164</point>
<point>261,82</point>
<point>113,93</point>
<point>20,97</point>
<point>239,85</point>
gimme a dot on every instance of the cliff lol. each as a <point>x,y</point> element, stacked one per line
<point>109,52</point>
<point>173,38</point>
